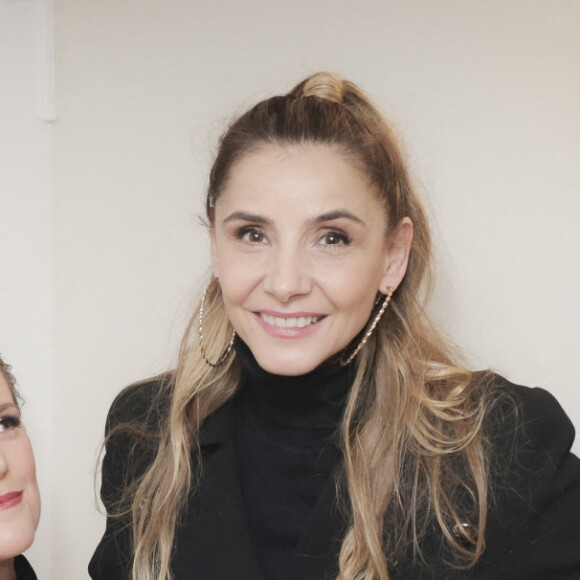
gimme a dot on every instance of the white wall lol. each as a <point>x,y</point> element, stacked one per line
<point>485,95</point>
<point>25,244</point>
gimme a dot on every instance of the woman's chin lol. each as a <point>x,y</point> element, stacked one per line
<point>287,364</point>
<point>15,541</point>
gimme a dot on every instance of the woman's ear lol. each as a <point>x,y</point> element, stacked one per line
<point>214,257</point>
<point>397,255</point>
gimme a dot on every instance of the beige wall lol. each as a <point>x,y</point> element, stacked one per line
<point>485,95</point>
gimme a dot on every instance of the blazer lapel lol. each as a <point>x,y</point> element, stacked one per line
<point>322,538</point>
<point>214,541</point>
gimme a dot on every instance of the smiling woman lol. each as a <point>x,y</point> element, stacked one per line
<point>19,497</point>
<point>301,249</point>
<point>317,427</point>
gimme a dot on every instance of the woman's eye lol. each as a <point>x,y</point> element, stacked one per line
<point>335,239</point>
<point>251,236</point>
<point>9,422</point>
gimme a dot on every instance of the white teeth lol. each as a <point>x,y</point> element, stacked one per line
<point>296,322</point>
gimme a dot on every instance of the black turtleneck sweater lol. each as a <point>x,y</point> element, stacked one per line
<point>288,452</point>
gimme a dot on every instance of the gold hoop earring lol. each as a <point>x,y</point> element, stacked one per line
<point>371,329</point>
<point>226,352</point>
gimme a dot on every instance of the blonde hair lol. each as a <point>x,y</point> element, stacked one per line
<point>414,454</point>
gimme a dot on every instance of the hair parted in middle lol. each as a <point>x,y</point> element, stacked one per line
<point>411,434</point>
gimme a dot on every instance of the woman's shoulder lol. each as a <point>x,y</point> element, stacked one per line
<point>533,525</point>
<point>131,433</point>
<point>141,404</point>
<point>527,419</point>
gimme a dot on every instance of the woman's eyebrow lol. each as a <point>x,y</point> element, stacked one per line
<point>247,217</point>
<point>325,217</point>
<point>338,214</point>
<point>5,406</point>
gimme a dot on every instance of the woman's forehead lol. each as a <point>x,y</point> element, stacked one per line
<point>286,150</point>
<point>6,396</point>
<point>312,174</point>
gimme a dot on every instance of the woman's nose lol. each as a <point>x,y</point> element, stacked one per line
<point>288,274</point>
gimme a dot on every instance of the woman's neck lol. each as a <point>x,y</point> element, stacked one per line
<point>309,401</point>
<point>7,571</point>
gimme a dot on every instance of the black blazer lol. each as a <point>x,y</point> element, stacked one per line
<point>533,528</point>
<point>23,569</point>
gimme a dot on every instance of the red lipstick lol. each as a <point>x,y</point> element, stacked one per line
<point>10,499</point>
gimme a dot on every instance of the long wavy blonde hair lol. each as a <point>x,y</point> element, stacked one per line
<point>414,453</point>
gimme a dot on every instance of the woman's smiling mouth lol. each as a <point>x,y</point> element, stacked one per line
<point>282,325</point>
<point>289,321</point>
